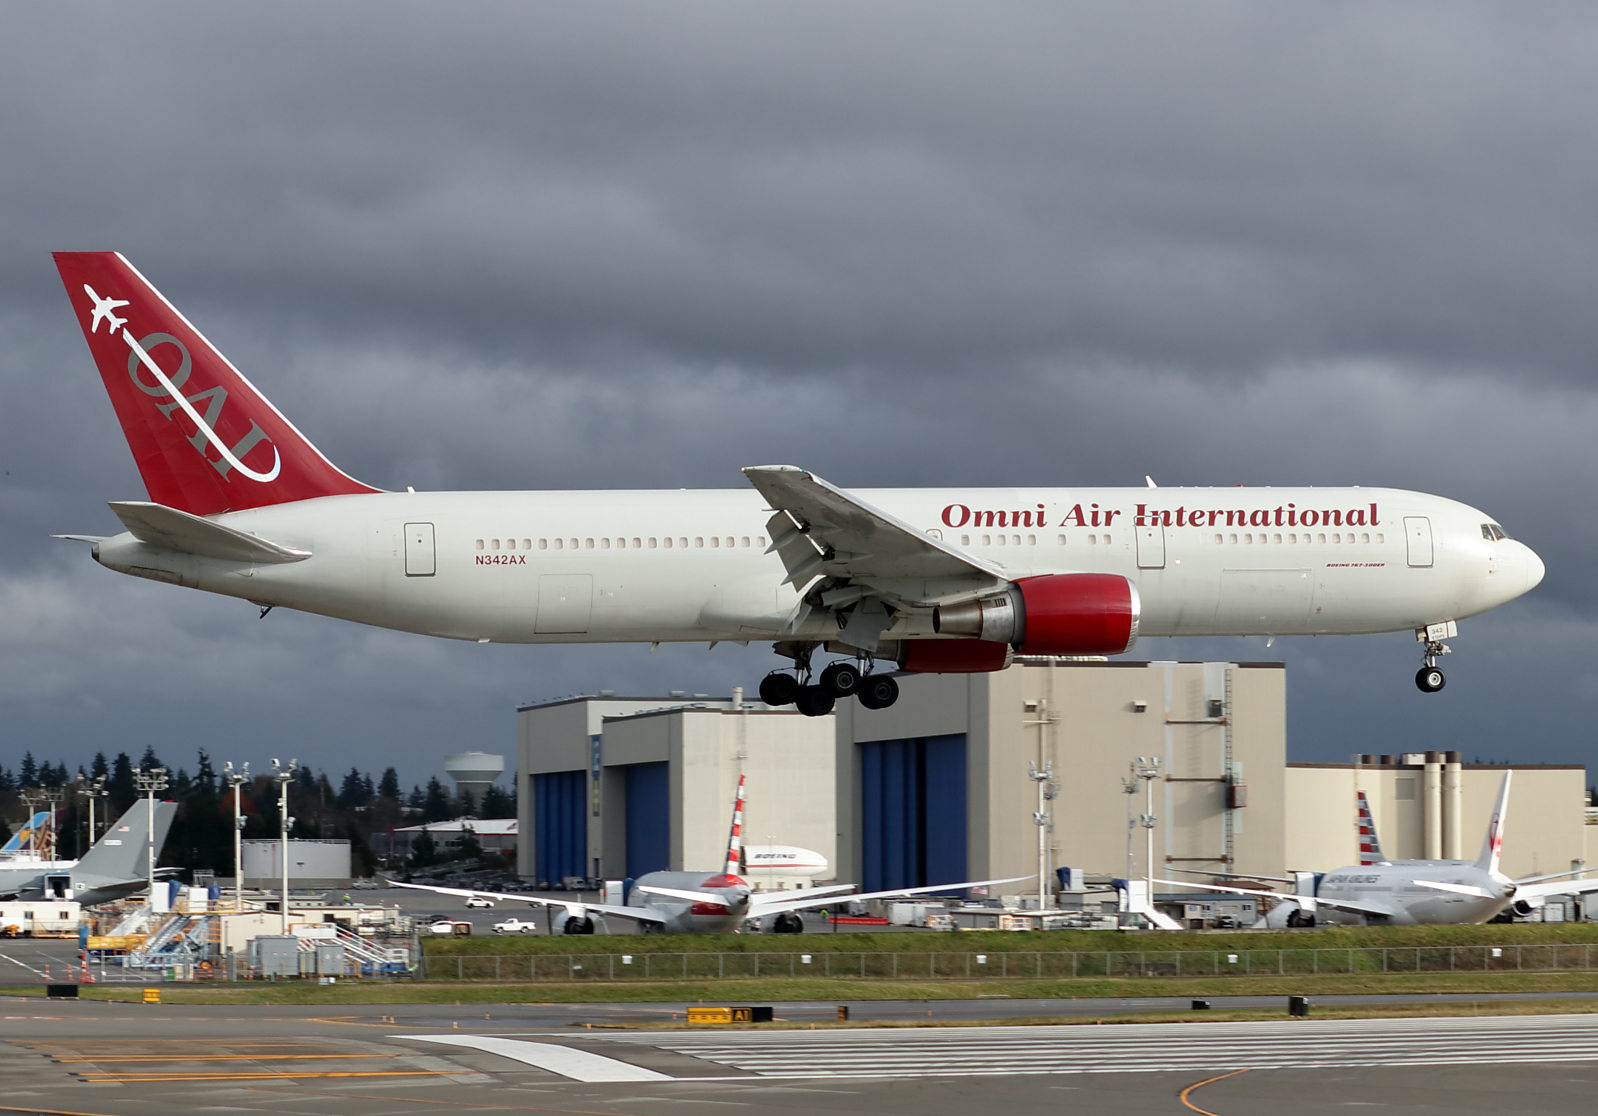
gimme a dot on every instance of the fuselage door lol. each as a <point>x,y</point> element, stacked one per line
<point>58,887</point>
<point>1418,538</point>
<point>1151,547</point>
<point>421,558</point>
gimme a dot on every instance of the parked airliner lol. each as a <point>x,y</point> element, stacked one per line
<point>945,580</point>
<point>1382,892</point>
<point>718,902</point>
<point>115,866</point>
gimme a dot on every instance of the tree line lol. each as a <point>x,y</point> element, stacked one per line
<point>358,811</point>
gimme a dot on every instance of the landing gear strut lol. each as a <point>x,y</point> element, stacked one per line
<point>1430,678</point>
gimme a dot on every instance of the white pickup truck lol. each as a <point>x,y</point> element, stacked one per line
<point>515,926</point>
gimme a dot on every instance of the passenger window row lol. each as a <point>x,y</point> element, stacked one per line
<point>715,542</point>
<point>1031,540</point>
<point>1262,538</point>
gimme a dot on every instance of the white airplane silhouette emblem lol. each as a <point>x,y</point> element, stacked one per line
<point>102,310</point>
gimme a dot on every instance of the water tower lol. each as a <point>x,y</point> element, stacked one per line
<point>474,772</point>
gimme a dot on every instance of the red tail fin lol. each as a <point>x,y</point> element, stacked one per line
<point>735,838</point>
<point>204,439</point>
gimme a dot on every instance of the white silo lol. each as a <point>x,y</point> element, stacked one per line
<point>474,772</point>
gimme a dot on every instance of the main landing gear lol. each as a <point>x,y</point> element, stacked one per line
<point>838,680</point>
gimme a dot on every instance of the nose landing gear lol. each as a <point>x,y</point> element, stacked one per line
<point>1430,678</point>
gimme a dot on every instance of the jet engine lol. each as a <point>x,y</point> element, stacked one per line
<point>1055,614</point>
<point>952,656</point>
<point>575,925</point>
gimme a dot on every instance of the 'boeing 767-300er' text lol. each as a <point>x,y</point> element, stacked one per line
<point>934,580</point>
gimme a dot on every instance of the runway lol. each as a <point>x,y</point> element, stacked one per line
<point>143,1060</point>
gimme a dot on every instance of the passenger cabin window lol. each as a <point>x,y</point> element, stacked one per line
<point>668,542</point>
<point>543,544</point>
<point>479,544</point>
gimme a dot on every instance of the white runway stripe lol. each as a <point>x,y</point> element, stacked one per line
<point>1146,1048</point>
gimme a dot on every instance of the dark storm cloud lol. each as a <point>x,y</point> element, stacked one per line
<point>641,245</point>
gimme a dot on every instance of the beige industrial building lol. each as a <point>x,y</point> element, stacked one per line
<point>940,786</point>
<point>1218,731</point>
<point>616,787</point>
<point>1430,806</point>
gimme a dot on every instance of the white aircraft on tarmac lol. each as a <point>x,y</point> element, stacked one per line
<point>944,580</point>
<point>115,866</point>
<point>717,902</point>
<point>1382,892</point>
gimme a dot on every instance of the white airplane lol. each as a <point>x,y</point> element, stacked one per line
<point>717,902</point>
<point>1382,892</point>
<point>768,865</point>
<point>941,580</point>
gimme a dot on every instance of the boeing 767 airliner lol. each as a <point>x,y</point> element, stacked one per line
<point>933,580</point>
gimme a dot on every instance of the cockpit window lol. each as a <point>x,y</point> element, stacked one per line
<point>1492,532</point>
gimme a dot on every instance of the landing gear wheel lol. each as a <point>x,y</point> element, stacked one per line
<point>578,926</point>
<point>778,688</point>
<point>877,691</point>
<point>841,679</point>
<point>1430,679</point>
<point>813,701</point>
<point>788,923</point>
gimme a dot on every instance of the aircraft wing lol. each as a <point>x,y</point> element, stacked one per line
<point>1554,887</point>
<point>822,530</point>
<point>1462,889</point>
<point>575,908</point>
<point>762,905</point>
<point>1308,902</point>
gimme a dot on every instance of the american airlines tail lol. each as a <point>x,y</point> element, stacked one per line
<point>1370,846</point>
<point>735,836</point>
<point>204,439</point>
<point>120,853</point>
<point>1493,846</point>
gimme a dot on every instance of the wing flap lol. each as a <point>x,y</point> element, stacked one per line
<point>574,907</point>
<point>172,529</point>
<point>822,530</point>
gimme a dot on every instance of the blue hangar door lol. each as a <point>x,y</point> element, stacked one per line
<point>648,818</point>
<point>560,825</point>
<point>913,812</point>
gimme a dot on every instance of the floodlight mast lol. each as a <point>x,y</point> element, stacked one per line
<point>283,775</point>
<point>91,789</point>
<point>1042,817</point>
<point>236,780</point>
<point>1146,768</point>
<point>147,783</point>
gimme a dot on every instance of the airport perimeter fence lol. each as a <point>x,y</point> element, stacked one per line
<point>1054,965</point>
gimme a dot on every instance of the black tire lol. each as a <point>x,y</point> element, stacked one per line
<point>579,926</point>
<point>813,701</point>
<point>778,688</point>
<point>1430,679</point>
<point>841,679</point>
<point>877,691</point>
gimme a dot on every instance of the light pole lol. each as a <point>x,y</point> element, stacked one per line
<point>284,775</point>
<point>1147,768</point>
<point>52,797</point>
<point>236,780</point>
<point>1042,817</point>
<point>147,783</point>
<point>91,789</point>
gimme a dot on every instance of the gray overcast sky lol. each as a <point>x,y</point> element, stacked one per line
<point>534,245</point>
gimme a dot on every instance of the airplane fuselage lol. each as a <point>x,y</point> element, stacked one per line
<point>690,565</point>
<point>1394,885</point>
<point>684,916</point>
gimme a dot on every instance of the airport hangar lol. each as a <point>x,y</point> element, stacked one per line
<point>937,788</point>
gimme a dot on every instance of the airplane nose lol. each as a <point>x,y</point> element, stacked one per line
<point>1534,568</point>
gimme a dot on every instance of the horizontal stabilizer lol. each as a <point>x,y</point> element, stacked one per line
<point>171,529</point>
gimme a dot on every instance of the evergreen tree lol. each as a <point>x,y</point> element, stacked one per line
<point>8,782</point>
<point>435,807</point>
<point>424,850</point>
<point>28,775</point>
<point>121,789</point>
<point>352,792</point>
<point>99,767</point>
<point>389,786</point>
<point>469,848</point>
<point>149,759</point>
<point>467,806</point>
<point>496,804</point>
<point>417,799</point>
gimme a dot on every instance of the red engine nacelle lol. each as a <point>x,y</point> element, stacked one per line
<point>1056,614</point>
